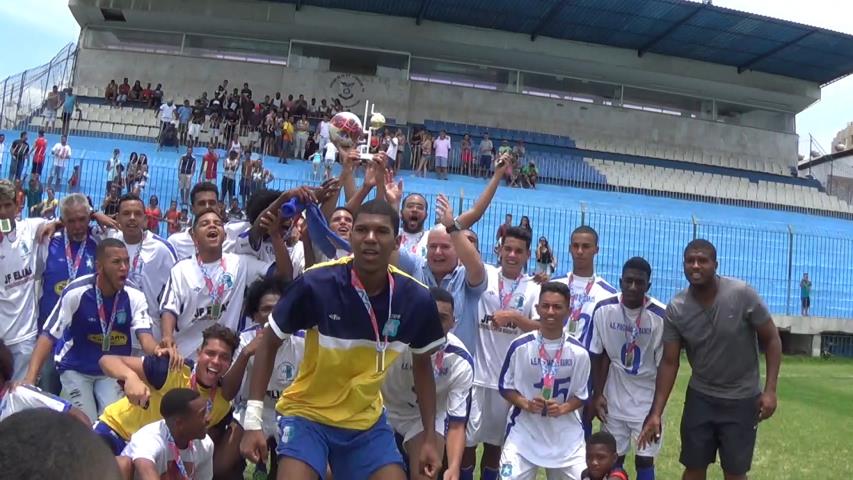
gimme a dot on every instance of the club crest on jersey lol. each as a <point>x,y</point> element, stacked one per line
<point>287,433</point>
<point>391,326</point>
<point>227,280</point>
<point>287,372</point>
<point>506,470</point>
<point>59,287</point>
<point>121,317</point>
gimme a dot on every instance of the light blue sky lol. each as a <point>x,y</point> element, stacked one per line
<point>35,30</point>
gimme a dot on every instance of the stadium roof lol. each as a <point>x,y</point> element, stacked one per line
<point>678,28</point>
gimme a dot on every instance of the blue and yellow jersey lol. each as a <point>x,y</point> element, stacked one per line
<point>126,418</point>
<point>338,382</point>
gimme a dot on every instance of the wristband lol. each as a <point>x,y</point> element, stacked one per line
<point>253,419</point>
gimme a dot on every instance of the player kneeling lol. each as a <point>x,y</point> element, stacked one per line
<point>453,368</point>
<point>544,377</point>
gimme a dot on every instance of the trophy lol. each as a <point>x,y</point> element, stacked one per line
<point>347,131</point>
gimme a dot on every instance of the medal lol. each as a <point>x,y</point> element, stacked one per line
<point>549,365</point>
<point>216,292</point>
<point>5,225</point>
<point>381,345</point>
<point>632,331</point>
<point>74,265</point>
<point>629,355</point>
<point>106,327</point>
<point>577,303</point>
<point>179,462</point>
<point>134,273</point>
<point>505,299</point>
<point>438,366</point>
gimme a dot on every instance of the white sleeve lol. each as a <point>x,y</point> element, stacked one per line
<point>25,397</point>
<point>63,312</point>
<point>144,445</point>
<point>460,390</point>
<point>507,376</point>
<point>580,375</point>
<point>139,309</point>
<point>171,300</point>
<point>204,463</point>
<point>596,344</point>
<point>255,269</point>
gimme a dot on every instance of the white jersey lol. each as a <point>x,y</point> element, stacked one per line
<point>18,258</point>
<point>630,388</point>
<point>287,360</point>
<point>522,295</point>
<point>454,374</point>
<point>414,243</point>
<point>187,296</point>
<point>586,292</point>
<point>26,397</point>
<point>151,442</point>
<point>549,442</point>
<point>150,263</point>
<point>237,241</point>
<point>183,244</point>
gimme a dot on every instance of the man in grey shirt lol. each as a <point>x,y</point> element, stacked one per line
<point>719,321</point>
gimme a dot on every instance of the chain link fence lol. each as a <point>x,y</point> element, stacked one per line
<point>24,94</point>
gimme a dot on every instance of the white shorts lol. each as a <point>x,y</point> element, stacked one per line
<point>626,434</point>
<point>184,181</point>
<point>487,420</point>
<point>515,467</point>
<point>214,132</point>
<point>194,130</point>
<point>409,427</point>
<point>440,162</point>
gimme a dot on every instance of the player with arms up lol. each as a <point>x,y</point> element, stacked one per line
<point>627,346</point>
<point>544,377</point>
<point>454,376</point>
<point>360,314</point>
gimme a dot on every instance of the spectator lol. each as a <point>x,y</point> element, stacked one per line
<point>184,218</point>
<point>153,215</point>
<point>2,148</point>
<point>186,171</point>
<point>156,97</point>
<point>112,167</point>
<point>503,228</point>
<point>68,107</point>
<point>323,131</point>
<point>110,204</point>
<point>33,194</point>
<point>504,148</point>
<point>486,154</point>
<point>229,175</point>
<point>111,92</point>
<point>208,165</point>
<point>196,121</point>
<point>277,101</point>
<point>246,90</point>
<point>467,156</point>
<point>74,181</point>
<point>805,294</point>
<point>231,120</point>
<point>52,104</point>
<point>235,146</point>
<point>145,97</point>
<point>135,92</point>
<point>301,107</point>
<point>325,109</point>
<point>415,142</point>
<point>337,106</point>
<point>132,168</point>
<point>123,92</point>
<point>61,154</point>
<point>173,219</point>
<point>313,108</point>
<point>118,180</point>
<point>246,170</point>
<point>47,208</point>
<point>20,152</point>
<point>185,112</point>
<point>269,134</point>
<point>215,121</point>
<point>167,116</point>
<point>235,214</point>
<point>286,139</point>
<point>288,105</point>
<point>519,151</point>
<point>302,127</point>
<point>426,153</point>
<point>39,151</point>
<point>529,175</point>
<point>546,262</point>
<point>442,153</point>
<point>524,223</point>
<point>20,199</point>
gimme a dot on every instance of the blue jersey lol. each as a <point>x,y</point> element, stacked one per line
<point>55,275</point>
<point>76,323</point>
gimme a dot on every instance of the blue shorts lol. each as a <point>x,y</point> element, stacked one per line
<point>350,453</point>
<point>112,439</point>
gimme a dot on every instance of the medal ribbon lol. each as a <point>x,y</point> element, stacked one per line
<point>218,291</point>
<point>106,327</point>
<point>505,299</point>
<point>211,391</point>
<point>549,365</point>
<point>439,362</point>
<point>575,308</point>
<point>135,263</point>
<point>75,265</point>
<point>381,344</point>
<point>635,325</point>
<point>179,462</point>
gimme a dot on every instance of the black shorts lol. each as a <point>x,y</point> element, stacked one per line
<point>710,424</point>
<point>806,301</point>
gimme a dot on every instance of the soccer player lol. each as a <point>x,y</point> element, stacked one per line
<point>360,314</point>
<point>544,376</point>
<point>601,459</point>
<point>721,322</point>
<point>203,197</point>
<point>151,257</point>
<point>454,375</point>
<point>96,315</point>
<point>147,379</point>
<point>505,311</point>
<point>627,345</point>
<point>261,298</point>
<point>209,288</point>
<point>18,240</point>
<point>14,399</point>
<point>414,214</point>
<point>68,255</point>
<point>177,446</point>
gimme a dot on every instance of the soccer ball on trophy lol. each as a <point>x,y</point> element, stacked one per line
<point>345,130</point>
<point>377,121</point>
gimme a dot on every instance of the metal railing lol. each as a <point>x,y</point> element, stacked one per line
<point>24,93</point>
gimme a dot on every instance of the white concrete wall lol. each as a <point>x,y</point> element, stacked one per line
<point>417,101</point>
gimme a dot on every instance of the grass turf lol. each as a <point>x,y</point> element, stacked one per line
<point>807,438</point>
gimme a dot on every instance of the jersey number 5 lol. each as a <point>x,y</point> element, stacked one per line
<point>558,382</point>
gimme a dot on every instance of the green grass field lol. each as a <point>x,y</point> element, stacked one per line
<point>809,438</point>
